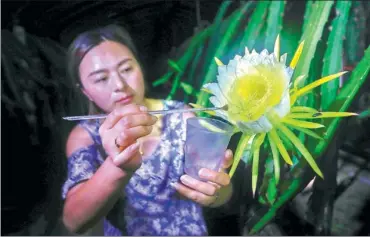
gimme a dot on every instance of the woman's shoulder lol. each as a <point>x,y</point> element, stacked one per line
<point>78,138</point>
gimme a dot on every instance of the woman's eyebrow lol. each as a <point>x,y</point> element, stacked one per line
<point>97,72</point>
<point>123,61</point>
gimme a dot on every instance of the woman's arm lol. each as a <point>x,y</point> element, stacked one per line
<point>91,200</point>
<point>88,202</point>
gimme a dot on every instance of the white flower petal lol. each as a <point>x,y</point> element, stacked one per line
<point>246,52</point>
<point>264,53</point>
<point>262,125</point>
<point>232,65</point>
<point>237,57</point>
<point>222,70</point>
<point>245,68</point>
<point>283,58</point>
<point>225,82</point>
<point>223,114</point>
<point>283,107</point>
<point>246,65</point>
<point>215,89</point>
<point>216,102</point>
<point>289,73</point>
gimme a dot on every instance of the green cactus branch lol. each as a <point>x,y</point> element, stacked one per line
<point>333,58</point>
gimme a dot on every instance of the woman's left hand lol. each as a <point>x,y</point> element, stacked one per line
<point>216,190</point>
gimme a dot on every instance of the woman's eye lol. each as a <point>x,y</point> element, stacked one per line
<point>125,70</point>
<point>101,79</point>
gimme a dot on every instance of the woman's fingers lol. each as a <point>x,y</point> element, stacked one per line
<point>132,127</point>
<point>194,195</point>
<point>130,158</point>
<point>130,135</point>
<point>203,187</point>
<point>117,115</point>
<point>124,126</point>
<point>134,120</point>
<point>228,160</point>
<point>219,178</point>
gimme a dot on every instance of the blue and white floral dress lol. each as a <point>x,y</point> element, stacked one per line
<point>150,205</point>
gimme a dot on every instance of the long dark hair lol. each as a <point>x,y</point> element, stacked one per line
<point>88,40</point>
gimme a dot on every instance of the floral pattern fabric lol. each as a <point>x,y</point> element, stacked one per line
<point>151,205</point>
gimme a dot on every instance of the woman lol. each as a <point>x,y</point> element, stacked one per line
<point>128,169</point>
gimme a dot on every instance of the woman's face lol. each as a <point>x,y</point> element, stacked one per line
<point>111,77</point>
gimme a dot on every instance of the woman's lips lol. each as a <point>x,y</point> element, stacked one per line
<point>125,100</point>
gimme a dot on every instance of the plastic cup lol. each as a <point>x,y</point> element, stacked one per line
<point>205,145</point>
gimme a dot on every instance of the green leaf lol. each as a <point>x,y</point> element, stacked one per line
<point>307,14</point>
<point>311,35</point>
<point>174,65</point>
<point>272,191</point>
<point>334,52</point>
<point>174,86</point>
<point>187,88</point>
<point>274,23</point>
<point>215,38</point>
<point>345,97</point>
<point>356,32</point>
<point>255,25</point>
<point>192,72</point>
<point>268,190</point>
<point>163,79</point>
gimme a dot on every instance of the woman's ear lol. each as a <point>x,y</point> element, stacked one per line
<point>87,94</point>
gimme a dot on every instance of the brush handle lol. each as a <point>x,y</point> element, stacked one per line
<point>153,112</point>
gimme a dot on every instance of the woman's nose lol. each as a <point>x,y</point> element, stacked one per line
<point>119,82</point>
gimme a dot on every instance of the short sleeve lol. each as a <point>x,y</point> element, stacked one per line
<point>82,165</point>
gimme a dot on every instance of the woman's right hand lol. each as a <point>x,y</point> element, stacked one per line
<point>120,131</point>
